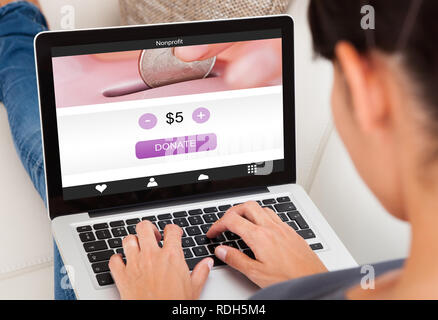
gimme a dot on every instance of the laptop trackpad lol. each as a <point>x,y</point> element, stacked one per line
<point>226,283</point>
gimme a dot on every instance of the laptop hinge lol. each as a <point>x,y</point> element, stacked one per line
<point>179,201</point>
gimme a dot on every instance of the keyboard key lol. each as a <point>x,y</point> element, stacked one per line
<point>220,214</point>
<point>115,243</point>
<point>259,202</point>
<point>182,222</point>
<point>210,218</point>
<point>210,210</point>
<point>219,238</point>
<point>224,207</point>
<point>242,244</point>
<point>285,206</point>
<point>121,251</point>
<point>104,279</point>
<point>164,223</point>
<point>200,240</point>
<point>200,251</point>
<point>206,227</point>
<point>269,201</point>
<point>293,225</point>
<point>132,229</point>
<point>196,220</point>
<point>119,232</point>
<point>99,267</point>
<point>83,228</point>
<point>316,246</point>
<point>212,247</point>
<point>87,236</point>
<point>165,216</point>
<point>231,235</point>
<point>306,234</point>
<point>95,246</point>
<point>180,214</point>
<point>231,244</point>
<point>187,242</point>
<point>295,215</point>
<point>269,207</point>
<point>150,218</point>
<point>195,212</point>
<point>100,255</point>
<point>103,234</point>
<point>99,226</point>
<point>283,199</point>
<point>283,217</point>
<point>193,231</point>
<point>187,253</point>
<point>133,221</point>
<point>236,204</point>
<point>119,223</point>
<point>191,263</point>
<point>249,253</point>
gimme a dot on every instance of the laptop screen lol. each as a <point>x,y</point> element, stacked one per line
<point>140,115</point>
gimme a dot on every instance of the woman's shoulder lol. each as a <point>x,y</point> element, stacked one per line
<point>329,285</point>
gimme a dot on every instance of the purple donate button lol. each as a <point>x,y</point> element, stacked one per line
<point>173,146</point>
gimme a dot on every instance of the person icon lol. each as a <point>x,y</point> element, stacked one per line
<point>152,183</point>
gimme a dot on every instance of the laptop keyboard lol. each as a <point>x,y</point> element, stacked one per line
<point>102,240</point>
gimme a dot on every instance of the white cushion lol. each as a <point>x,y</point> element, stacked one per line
<point>25,236</point>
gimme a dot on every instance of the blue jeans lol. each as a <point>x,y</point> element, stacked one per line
<point>19,23</point>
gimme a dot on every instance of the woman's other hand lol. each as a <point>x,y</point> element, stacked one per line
<point>152,272</point>
<point>281,254</point>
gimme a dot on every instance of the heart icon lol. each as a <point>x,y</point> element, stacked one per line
<point>101,187</point>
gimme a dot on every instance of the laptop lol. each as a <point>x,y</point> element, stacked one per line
<point>131,132</point>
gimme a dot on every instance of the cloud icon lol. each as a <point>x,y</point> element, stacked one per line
<point>203,177</point>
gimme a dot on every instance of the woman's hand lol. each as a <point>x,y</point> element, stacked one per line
<point>152,272</point>
<point>281,254</point>
<point>250,64</point>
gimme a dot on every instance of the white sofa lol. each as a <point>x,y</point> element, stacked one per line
<point>324,169</point>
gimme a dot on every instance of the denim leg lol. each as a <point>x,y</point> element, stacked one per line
<point>19,23</point>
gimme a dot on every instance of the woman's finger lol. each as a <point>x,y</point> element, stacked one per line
<point>200,275</point>
<point>274,217</point>
<point>200,52</point>
<point>172,237</point>
<point>234,223</point>
<point>252,211</point>
<point>235,259</point>
<point>117,267</point>
<point>146,235</point>
<point>131,248</point>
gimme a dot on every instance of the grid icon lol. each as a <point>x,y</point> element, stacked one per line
<point>252,168</point>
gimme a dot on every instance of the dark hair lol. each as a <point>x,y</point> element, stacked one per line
<point>408,27</point>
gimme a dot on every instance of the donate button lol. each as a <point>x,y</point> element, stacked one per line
<point>173,146</point>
